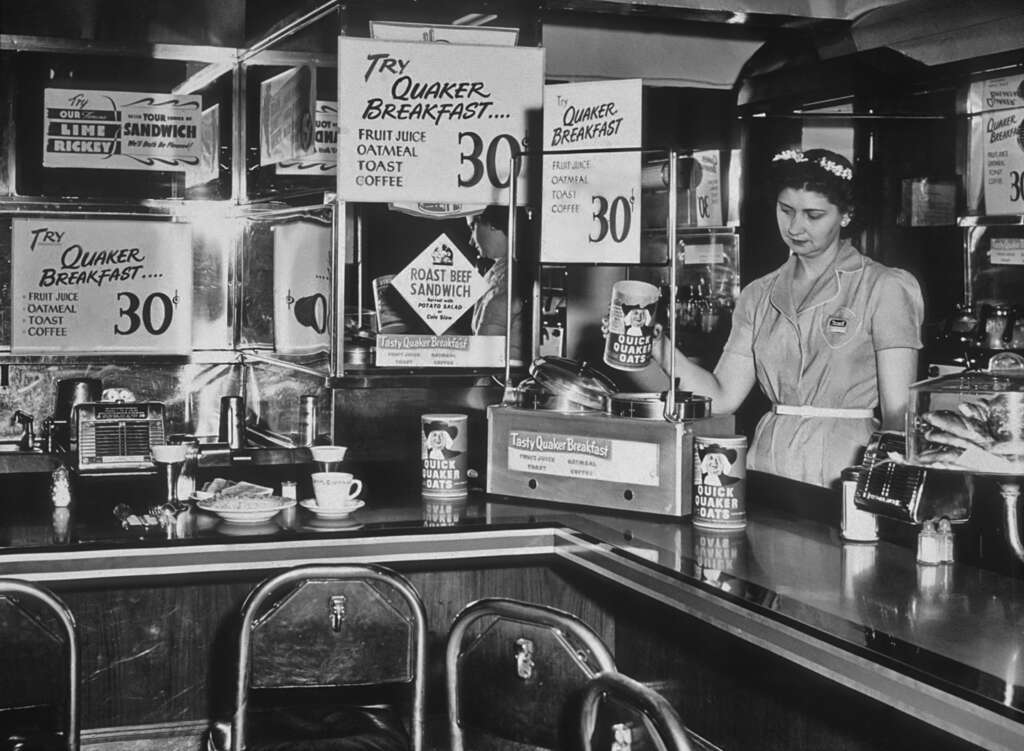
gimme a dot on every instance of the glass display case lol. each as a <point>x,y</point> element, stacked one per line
<point>971,421</point>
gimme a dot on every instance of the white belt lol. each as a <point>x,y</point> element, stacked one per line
<point>808,411</point>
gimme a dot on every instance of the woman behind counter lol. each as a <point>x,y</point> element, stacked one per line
<point>829,336</point>
<point>489,235</point>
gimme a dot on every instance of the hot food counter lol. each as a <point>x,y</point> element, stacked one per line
<point>778,635</point>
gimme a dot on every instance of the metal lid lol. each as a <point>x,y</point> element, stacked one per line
<point>575,381</point>
<point>651,405</point>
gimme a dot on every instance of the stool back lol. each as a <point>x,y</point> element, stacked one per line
<point>515,671</point>
<point>332,626</point>
<point>37,630</point>
<point>620,713</point>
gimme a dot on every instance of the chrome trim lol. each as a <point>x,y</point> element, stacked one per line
<point>63,613</point>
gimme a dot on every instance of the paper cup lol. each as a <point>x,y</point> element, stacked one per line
<point>631,318</point>
<point>335,489</point>
<point>328,458</point>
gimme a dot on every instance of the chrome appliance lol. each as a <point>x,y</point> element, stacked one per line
<point>571,439</point>
<point>116,436</point>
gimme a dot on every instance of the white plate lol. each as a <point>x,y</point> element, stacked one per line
<point>257,515</point>
<point>339,512</point>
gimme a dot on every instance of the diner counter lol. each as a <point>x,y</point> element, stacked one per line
<point>942,644</point>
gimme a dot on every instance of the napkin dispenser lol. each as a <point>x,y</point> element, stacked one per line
<point>888,486</point>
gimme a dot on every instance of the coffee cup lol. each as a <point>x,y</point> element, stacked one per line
<point>335,489</point>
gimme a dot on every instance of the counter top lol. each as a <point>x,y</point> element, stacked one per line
<point>945,643</point>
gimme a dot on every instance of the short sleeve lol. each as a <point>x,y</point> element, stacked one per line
<point>741,336</point>
<point>897,311</point>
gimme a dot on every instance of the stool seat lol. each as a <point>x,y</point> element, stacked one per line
<point>327,728</point>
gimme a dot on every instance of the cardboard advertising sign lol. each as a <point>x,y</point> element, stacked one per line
<point>324,160</point>
<point>208,167</point>
<point>997,145</point>
<point>433,122</point>
<point>302,287</point>
<point>287,109</point>
<point>127,130</point>
<point>101,285</point>
<point>440,284</point>
<point>591,201</point>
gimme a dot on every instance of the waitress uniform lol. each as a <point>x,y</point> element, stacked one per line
<point>816,362</point>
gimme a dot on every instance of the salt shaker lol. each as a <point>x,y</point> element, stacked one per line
<point>858,525</point>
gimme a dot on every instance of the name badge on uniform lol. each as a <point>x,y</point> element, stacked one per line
<point>837,325</point>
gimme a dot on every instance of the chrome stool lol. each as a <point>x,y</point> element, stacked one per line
<point>34,622</point>
<point>623,714</point>
<point>327,627</point>
<point>515,672</point>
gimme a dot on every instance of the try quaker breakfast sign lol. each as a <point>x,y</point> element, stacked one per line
<point>440,284</point>
<point>433,122</point>
<point>126,130</point>
<point>111,286</point>
<point>591,200</point>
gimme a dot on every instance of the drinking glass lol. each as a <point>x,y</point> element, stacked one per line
<point>169,459</point>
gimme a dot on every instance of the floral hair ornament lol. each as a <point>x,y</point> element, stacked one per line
<point>790,155</point>
<point>834,168</point>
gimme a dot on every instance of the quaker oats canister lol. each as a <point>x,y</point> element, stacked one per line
<point>631,317</point>
<point>720,482</point>
<point>443,455</point>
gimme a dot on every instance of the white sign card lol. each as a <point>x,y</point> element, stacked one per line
<point>208,167</point>
<point>433,122</point>
<point>440,284</point>
<point>1003,92</point>
<point>287,104</point>
<point>127,130</point>
<point>445,33</point>
<point>302,287</point>
<point>101,285</point>
<point>591,201</point>
<point>708,193</point>
<point>1006,251</point>
<point>324,160</point>
<point>583,457</point>
<point>996,161</point>
<point>1002,157</point>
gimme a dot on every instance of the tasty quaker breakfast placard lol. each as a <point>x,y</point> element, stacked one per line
<point>591,200</point>
<point>433,122</point>
<point>997,143</point>
<point>103,285</point>
<point>121,130</point>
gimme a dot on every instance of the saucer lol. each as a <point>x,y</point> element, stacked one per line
<point>316,524</point>
<point>321,512</point>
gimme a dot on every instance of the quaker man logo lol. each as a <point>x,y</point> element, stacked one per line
<point>440,437</point>
<point>715,464</point>
<point>638,319</point>
<point>442,255</point>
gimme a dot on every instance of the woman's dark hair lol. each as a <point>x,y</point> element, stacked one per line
<point>496,216</point>
<point>820,170</point>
